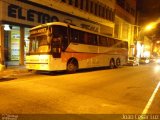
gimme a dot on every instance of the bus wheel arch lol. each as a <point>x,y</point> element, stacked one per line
<point>118,62</point>
<point>112,63</point>
<point>72,65</point>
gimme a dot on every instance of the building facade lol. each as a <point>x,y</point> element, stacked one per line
<point>100,12</point>
<point>125,23</point>
<point>18,16</point>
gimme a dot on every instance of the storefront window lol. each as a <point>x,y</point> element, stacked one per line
<point>15,42</point>
<point>12,43</point>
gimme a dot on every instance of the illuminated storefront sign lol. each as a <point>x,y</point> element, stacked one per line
<point>16,11</point>
<point>33,15</point>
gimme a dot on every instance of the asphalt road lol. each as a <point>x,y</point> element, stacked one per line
<point>126,90</point>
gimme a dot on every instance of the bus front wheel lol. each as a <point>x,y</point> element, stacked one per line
<point>72,66</point>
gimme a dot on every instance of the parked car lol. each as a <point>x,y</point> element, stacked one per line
<point>144,60</point>
<point>132,61</point>
<point>158,60</point>
<point>153,59</point>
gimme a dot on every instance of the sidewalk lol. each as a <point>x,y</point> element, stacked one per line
<point>13,71</point>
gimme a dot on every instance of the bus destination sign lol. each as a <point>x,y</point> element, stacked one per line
<point>38,31</point>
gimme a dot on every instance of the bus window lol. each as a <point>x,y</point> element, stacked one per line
<point>60,32</point>
<point>39,44</point>
<point>32,45</point>
<point>118,43</point>
<point>85,39</point>
<point>43,45</point>
<point>89,38</point>
<point>111,42</point>
<point>102,41</point>
<point>56,46</point>
<point>59,40</point>
<point>126,44</point>
<point>81,37</point>
<point>93,39</point>
<point>74,36</point>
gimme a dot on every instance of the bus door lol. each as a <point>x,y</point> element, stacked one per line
<point>56,46</point>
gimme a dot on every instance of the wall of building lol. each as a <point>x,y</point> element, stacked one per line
<point>101,12</point>
<point>147,47</point>
<point>125,22</point>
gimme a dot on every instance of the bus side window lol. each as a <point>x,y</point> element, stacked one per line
<point>64,38</point>
<point>57,42</point>
<point>81,37</point>
<point>74,36</point>
<point>85,39</point>
<point>107,39</point>
<point>60,34</point>
<point>103,41</point>
<point>126,45</point>
<point>119,44</point>
<point>110,42</point>
<point>100,41</point>
<point>93,39</point>
<point>113,42</point>
<point>90,39</point>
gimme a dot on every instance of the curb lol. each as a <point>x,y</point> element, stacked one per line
<point>12,72</point>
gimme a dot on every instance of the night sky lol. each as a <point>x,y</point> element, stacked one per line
<point>149,10</point>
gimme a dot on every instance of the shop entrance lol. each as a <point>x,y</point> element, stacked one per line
<point>12,45</point>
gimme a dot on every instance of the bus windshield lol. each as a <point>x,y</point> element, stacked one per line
<point>39,44</point>
<point>48,39</point>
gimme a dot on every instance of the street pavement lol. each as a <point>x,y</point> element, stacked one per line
<point>125,90</point>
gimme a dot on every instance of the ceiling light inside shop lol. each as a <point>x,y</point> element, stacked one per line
<point>7,27</point>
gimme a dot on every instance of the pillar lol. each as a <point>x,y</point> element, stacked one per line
<point>120,35</point>
<point>21,58</point>
<point>2,60</point>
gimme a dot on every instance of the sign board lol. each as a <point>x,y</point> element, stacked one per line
<point>27,14</point>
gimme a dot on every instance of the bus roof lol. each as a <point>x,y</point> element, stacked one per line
<point>63,24</point>
<point>49,24</point>
<point>71,26</point>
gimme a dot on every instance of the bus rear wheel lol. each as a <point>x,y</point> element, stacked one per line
<point>111,64</point>
<point>72,66</point>
<point>118,62</point>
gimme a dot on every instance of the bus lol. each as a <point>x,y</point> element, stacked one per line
<point>60,46</point>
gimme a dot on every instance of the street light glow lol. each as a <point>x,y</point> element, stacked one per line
<point>150,26</point>
<point>158,42</point>
<point>157,69</point>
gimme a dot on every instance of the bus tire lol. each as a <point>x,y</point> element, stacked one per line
<point>111,64</point>
<point>72,65</point>
<point>118,62</point>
